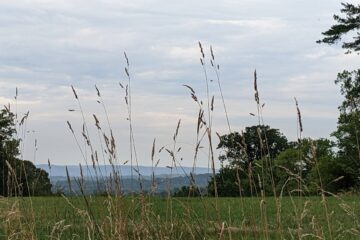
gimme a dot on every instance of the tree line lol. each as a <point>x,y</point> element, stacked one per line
<point>262,160</point>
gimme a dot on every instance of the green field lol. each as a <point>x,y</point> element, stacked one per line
<point>179,218</point>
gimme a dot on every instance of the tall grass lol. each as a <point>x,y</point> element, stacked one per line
<point>142,215</point>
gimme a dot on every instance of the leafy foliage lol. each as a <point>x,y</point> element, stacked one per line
<point>347,133</point>
<point>351,22</point>
<point>18,177</point>
<point>253,144</point>
<point>311,163</point>
<point>9,149</point>
<point>347,162</point>
<point>246,156</point>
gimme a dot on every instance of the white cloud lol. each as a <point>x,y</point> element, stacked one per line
<point>267,25</point>
<point>185,53</point>
<point>49,45</point>
<point>6,101</point>
<point>98,39</point>
<point>158,75</point>
<point>316,55</point>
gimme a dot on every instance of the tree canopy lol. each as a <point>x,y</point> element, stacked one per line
<point>253,144</point>
<point>18,177</point>
<point>347,133</point>
<point>348,129</point>
<point>260,156</point>
<point>309,166</point>
<point>307,161</point>
<point>244,157</point>
<point>345,25</point>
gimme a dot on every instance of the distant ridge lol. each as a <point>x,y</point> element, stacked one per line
<point>105,170</point>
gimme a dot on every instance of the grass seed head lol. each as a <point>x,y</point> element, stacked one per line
<point>73,89</point>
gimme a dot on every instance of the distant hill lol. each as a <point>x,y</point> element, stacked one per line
<point>125,171</point>
<point>97,181</point>
<point>128,185</point>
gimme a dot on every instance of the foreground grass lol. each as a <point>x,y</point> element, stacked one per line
<point>178,218</point>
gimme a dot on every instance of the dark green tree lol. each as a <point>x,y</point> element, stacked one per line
<point>345,25</point>
<point>9,149</point>
<point>253,144</point>
<point>347,133</point>
<point>17,177</point>
<point>245,157</point>
<point>311,163</point>
<point>348,130</point>
<point>286,171</point>
<point>33,181</point>
<point>323,169</point>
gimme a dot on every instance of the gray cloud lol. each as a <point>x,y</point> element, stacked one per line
<point>47,46</point>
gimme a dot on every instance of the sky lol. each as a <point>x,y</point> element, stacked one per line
<point>47,46</point>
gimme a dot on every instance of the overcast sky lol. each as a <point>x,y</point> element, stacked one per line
<point>47,46</point>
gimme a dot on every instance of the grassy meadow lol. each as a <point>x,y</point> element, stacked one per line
<point>179,218</point>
